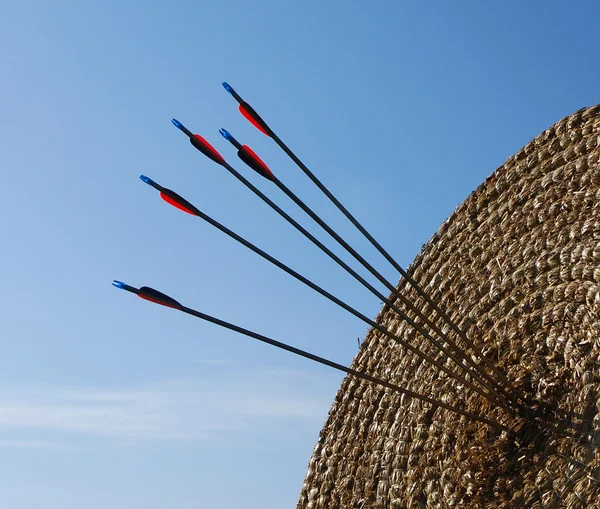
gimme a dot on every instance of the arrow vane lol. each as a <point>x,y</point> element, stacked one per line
<point>149,294</point>
<point>157,297</point>
<point>248,156</point>
<point>200,143</point>
<point>249,112</point>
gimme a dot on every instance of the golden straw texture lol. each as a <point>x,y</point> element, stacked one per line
<point>517,266</point>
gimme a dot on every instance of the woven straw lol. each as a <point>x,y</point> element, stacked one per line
<point>517,266</point>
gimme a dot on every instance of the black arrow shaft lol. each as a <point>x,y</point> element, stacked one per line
<point>327,362</point>
<point>341,367</point>
<point>492,395</point>
<point>340,303</point>
<point>396,265</point>
<point>388,285</point>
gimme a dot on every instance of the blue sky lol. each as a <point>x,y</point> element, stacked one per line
<point>401,108</point>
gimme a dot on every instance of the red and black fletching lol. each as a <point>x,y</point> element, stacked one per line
<point>152,295</point>
<point>177,201</point>
<point>254,118</point>
<point>247,155</point>
<point>206,148</point>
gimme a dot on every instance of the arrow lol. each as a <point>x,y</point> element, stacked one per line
<point>251,114</point>
<point>149,294</point>
<point>200,143</point>
<point>246,154</point>
<point>157,297</point>
<point>182,204</point>
<point>171,198</point>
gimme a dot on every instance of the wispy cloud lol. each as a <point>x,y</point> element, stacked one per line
<point>215,362</point>
<point>174,410</point>
<point>28,444</point>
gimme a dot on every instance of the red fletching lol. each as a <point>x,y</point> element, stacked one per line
<point>207,149</point>
<point>175,203</point>
<point>256,163</point>
<point>156,301</point>
<point>252,119</point>
<point>152,295</point>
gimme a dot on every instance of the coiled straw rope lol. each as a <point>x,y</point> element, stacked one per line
<point>517,266</point>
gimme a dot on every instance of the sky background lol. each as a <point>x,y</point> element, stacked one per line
<point>401,109</point>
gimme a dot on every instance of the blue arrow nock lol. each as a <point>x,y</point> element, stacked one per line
<point>147,180</point>
<point>177,124</point>
<point>227,87</point>
<point>230,138</point>
<point>226,134</point>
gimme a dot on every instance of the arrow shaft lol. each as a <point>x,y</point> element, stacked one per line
<point>492,395</point>
<point>397,266</point>
<point>342,304</point>
<point>390,287</point>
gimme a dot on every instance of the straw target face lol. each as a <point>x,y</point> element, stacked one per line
<point>517,265</point>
